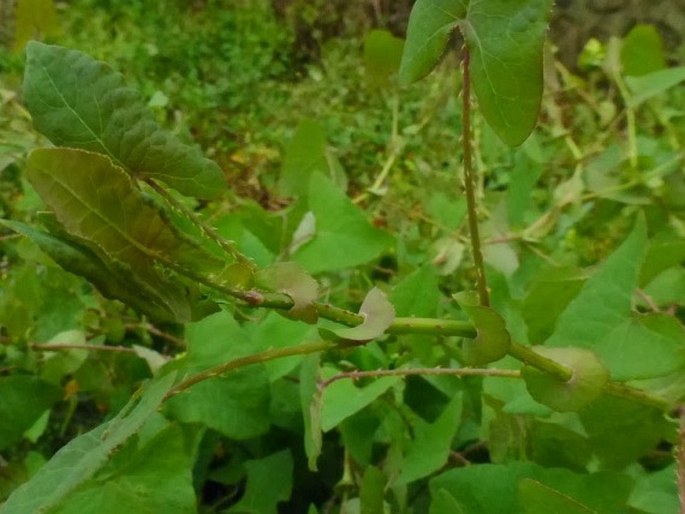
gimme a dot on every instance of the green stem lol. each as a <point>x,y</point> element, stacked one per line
<point>469,185</point>
<point>267,355</point>
<point>531,358</point>
<point>455,372</point>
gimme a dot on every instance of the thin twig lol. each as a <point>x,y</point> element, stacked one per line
<point>255,358</point>
<point>90,347</point>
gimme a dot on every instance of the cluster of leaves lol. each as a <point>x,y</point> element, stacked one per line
<point>248,440</point>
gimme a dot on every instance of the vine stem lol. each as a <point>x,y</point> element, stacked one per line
<point>255,358</point>
<point>469,182</point>
<point>457,372</point>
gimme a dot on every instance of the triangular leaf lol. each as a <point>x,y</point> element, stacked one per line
<point>79,102</point>
<point>505,38</point>
<point>604,302</point>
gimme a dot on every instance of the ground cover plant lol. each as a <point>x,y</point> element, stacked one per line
<point>342,329</point>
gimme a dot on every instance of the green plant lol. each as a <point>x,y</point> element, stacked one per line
<point>122,192</point>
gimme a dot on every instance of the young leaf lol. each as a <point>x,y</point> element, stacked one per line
<point>493,340</point>
<point>378,315</point>
<point>290,278</point>
<point>96,201</point>
<point>587,383</point>
<point>84,456</point>
<point>505,38</point>
<point>79,102</point>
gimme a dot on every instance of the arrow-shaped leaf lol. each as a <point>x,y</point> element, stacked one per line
<point>505,38</point>
<point>79,102</point>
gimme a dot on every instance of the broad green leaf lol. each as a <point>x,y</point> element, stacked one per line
<point>494,488</point>
<point>604,302</point>
<point>23,399</point>
<point>432,442</point>
<point>79,102</point>
<point>343,398</point>
<point>587,383</point>
<point>83,457</point>
<point>505,38</point>
<point>371,492</point>
<point>642,51</point>
<point>620,431</point>
<point>162,301</point>
<point>310,402</point>
<point>291,279</point>
<point>648,86</point>
<point>382,56</point>
<point>305,155</point>
<point>269,482</point>
<point>431,24</point>
<point>378,314</point>
<point>343,238</point>
<point>146,476</point>
<point>493,341</point>
<point>644,347</point>
<point>243,394</point>
<point>537,498</point>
